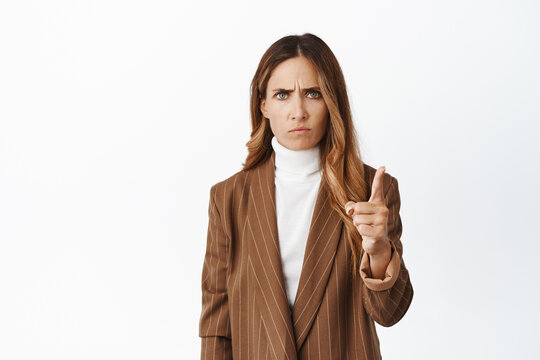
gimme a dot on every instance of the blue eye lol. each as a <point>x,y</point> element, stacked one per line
<point>280,93</point>
<point>317,94</point>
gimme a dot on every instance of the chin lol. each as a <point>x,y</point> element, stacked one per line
<point>302,145</point>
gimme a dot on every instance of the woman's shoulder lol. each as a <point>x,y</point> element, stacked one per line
<point>239,182</point>
<point>223,191</point>
<point>231,181</point>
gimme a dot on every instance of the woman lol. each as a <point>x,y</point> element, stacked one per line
<point>303,251</point>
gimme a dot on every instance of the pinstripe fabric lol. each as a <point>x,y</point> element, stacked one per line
<point>245,313</point>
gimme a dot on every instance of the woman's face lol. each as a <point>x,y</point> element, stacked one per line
<point>293,99</point>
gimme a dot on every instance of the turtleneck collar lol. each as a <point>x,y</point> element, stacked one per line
<point>296,164</point>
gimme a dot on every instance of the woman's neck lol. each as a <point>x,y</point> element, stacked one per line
<point>297,164</point>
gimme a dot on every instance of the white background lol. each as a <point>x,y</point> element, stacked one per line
<point>116,117</point>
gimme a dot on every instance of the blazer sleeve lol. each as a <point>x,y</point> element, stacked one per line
<point>387,300</point>
<point>214,325</point>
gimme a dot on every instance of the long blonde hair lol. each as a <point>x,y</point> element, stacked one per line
<point>343,169</point>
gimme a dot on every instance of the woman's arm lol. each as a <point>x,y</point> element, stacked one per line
<point>387,300</point>
<point>379,263</point>
<point>214,325</point>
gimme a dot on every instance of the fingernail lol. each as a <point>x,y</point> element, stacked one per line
<point>350,211</point>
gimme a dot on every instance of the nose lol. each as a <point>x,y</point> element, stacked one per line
<point>299,110</point>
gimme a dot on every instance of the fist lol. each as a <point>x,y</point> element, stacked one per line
<point>370,218</point>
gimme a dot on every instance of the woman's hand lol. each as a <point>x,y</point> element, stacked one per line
<point>370,219</point>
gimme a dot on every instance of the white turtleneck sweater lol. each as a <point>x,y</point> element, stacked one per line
<point>297,179</point>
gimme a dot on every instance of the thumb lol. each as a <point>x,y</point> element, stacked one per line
<point>348,206</point>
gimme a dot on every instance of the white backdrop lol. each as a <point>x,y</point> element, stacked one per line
<point>116,117</point>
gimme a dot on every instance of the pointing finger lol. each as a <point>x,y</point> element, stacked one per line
<point>377,195</point>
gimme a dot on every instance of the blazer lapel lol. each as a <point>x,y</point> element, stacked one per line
<point>287,333</point>
<point>322,242</point>
<point>265,262</point>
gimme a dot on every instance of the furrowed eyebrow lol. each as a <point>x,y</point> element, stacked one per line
<point>303,90</point>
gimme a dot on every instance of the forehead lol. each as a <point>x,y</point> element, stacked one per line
<point>289,72</point>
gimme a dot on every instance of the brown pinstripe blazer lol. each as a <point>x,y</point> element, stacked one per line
<point>245,312</point>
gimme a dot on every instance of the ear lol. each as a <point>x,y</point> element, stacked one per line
<point>263,106</point>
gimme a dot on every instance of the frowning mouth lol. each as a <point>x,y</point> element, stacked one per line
<point>299,129</point>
